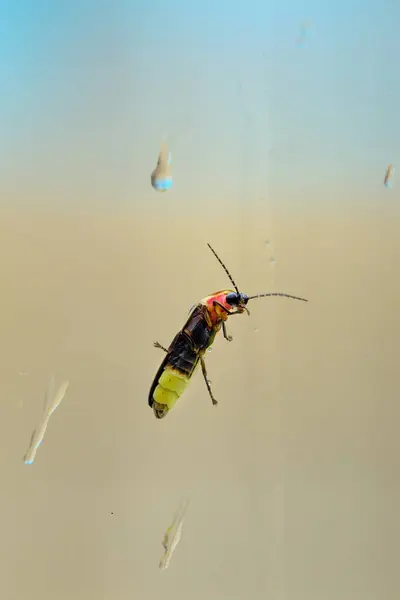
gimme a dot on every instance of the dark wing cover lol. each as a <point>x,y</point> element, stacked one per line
<point>165,362</point>
<point>181,355</point>
<point>156,378</point>
<point>183,352</point>
<point>198,329</point>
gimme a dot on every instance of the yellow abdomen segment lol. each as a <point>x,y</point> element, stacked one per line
<point>171,386</point>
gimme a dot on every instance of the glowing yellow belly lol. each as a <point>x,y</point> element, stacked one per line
<point>171,386</point>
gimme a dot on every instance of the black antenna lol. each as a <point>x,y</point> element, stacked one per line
<point>277,294</point>
<point>225,269</point>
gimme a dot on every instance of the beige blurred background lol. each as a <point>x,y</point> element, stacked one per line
<point>294,476</point>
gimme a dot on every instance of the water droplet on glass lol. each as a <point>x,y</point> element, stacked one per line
<point>161,177</point>
<point>273,262</point>
<point>209,349</point>
<point>267,243</point>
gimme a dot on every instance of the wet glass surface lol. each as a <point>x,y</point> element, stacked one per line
<point>281,124</point>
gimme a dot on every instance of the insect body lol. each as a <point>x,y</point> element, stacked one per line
<point>187,349</point>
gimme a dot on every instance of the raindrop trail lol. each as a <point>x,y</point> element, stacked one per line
<point>50,407</point>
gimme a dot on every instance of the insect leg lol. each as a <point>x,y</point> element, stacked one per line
<point>226,336</point>
<point>158,345</point>
<point>203,368</point>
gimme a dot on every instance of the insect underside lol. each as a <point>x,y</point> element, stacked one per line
<point>186,352</point>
